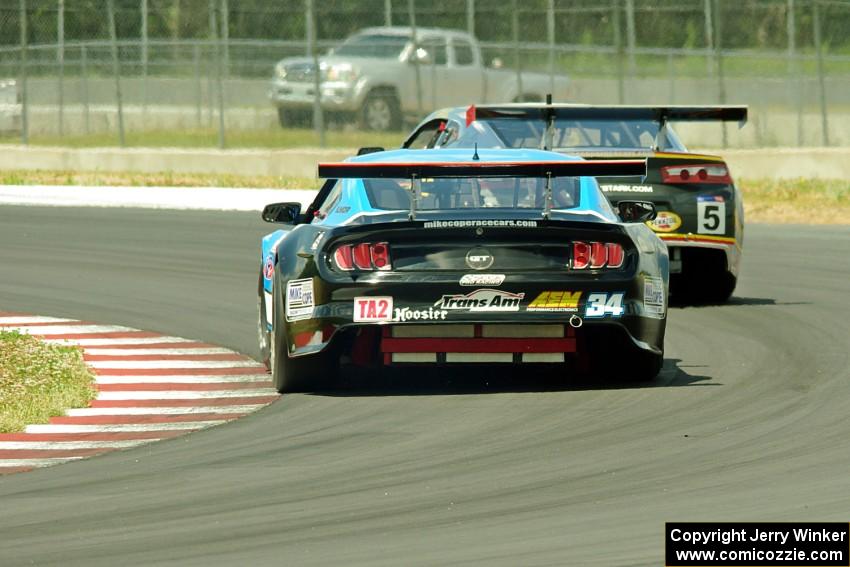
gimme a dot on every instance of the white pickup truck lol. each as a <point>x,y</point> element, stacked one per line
<point>371,78</point>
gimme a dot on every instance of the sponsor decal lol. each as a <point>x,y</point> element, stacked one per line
<point>373,309</point>
<point>268,267</point>
<point>604,305</point>
<point>711,198</point>
<point>482,279</point>
<point>555,301</point>
<point>623,188</point>
<point>299,299</point>
<point>653,297</point>
<point>317,241</point>
<point>343,209</point>
<point>479,258</point>
<point>403,314</point>
<point>666,221</point>
<point>492,300</point>
<point>380,310</point>
<point>511,223</point>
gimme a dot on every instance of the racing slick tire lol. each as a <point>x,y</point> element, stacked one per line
<point>309,373</point>
<point>264,337</point>
<point>381,111</point>
<point>293,118</point>
<point>703,288</point>
<point>643,368</point>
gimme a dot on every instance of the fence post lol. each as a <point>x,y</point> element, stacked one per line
<point>411,10</point>
<point>312,40</point>
<point>144,10</point>
<point>388,13</point>
<point>794,68</point>
<point>671,76</point>
<point>550,36</point>
<point>25,135</point>
<point>709,37</point>
<point>199,90</point>
<point>718,52</point>
<point>216,39</point>
<point>517,56</point>
<point>470,17</point>
<point>824,123</point>
<point>631,40</point>
<point>60,60</point>
<point>210,62</point>
<point>225,35</point>
<point>116,68</point>
<point>84,71</point>
<point>618,46</point>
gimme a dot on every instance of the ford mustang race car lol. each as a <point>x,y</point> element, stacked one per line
<point>700,213</point>
<point>449,257</point>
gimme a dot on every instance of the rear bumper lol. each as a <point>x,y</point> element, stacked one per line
<point>726,245</point>
<point>335,96</point>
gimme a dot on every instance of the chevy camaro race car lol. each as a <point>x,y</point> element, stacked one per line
<point>449,256</point>
<point>700,213</point>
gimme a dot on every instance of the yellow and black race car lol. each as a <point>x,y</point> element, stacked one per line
<point>700,214</point>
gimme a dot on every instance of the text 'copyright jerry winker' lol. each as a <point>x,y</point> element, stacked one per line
<point>767,544</point>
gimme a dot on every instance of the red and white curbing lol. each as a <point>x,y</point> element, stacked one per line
<point>150,387</point>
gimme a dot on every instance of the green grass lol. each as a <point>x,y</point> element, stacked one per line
<point>162,179</point>
<point>39,380</point>
<point>277,138</point>
<point>806,201</point>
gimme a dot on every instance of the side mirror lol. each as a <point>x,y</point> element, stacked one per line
<point>369,150</point>
<point>420,56</point>
<point>636,211</point>
<point>282,213</point>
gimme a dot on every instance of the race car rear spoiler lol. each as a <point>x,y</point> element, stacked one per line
<point>545,169</point>
<point>723,113</point>
<point>599,168</point>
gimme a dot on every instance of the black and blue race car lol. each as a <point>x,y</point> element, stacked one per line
<point>444,257</point>
<point>700,211</point>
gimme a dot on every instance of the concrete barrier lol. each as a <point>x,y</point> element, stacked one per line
<point>774,163</point>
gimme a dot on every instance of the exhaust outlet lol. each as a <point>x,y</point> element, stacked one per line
<point>576,321</point>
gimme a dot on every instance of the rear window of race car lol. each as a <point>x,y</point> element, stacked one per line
<point>474,193</point>
<point>615,134</point>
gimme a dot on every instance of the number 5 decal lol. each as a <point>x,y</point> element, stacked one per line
<point>711,217</point>
<point>602,304</point>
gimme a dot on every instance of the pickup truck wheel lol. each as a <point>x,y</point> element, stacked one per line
<point>294,118</point>
<point>381,112</point>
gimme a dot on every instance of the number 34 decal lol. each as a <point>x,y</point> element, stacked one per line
<point>604,304</point>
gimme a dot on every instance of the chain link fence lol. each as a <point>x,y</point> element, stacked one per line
<point>71,68</point>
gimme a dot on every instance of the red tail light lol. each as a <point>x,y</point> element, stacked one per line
<point>616,255</point>
<point>597,255</point>
<point>343,259</point>
<point>581,255</point>
<point>705,174</point>
<point>364,256</point>
<point>381,256</point>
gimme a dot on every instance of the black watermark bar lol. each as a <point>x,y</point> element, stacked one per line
<point>757,544</point>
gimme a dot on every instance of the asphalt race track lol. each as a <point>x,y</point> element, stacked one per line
<point>748,421</point>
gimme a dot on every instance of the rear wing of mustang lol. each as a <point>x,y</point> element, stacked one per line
<point>598,168</point>
<point>478,169</point>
